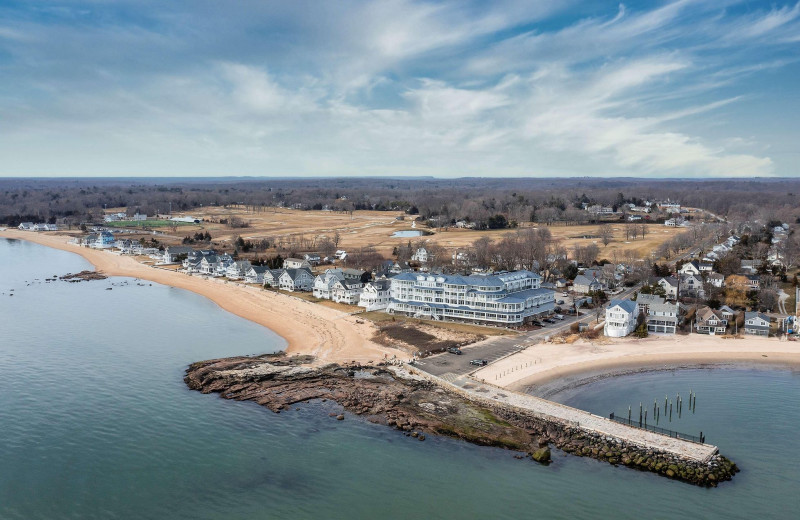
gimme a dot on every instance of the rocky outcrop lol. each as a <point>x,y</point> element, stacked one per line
<point>417,406</point>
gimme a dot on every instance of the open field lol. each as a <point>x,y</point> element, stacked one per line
<point>147,224</point>
<point>374,228</point>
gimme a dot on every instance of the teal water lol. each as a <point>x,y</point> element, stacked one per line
<point>95,422</point>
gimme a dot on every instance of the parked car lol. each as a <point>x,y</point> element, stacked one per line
<point>537,323</point>
<point>454,350</point>
<point>560,302</point>
<point>558,316</point>
<point>549,320</point>
<point>479,362</point>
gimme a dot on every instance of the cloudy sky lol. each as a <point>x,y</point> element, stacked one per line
<point>501,88</point>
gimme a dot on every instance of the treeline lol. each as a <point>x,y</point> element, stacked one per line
<point>473,200</point>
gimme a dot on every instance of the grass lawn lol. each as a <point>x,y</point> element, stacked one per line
<point>381,317</point>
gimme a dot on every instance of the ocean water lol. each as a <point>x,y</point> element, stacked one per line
<point>95,422</point>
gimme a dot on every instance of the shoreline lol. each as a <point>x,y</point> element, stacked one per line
<point>542,369</point>
<point>547,389</point>
<point>325,333</point>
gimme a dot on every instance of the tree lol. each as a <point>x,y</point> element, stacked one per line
<point>736,287</point>
<point>606,234</point>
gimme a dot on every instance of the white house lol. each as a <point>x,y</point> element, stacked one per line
<point>272,277</point>
<point>621,316</point>
<point>346,291</point>
<point>237,270</point>
<point>692,267</point>
<point>312,258</point>
<point>323,283</point>
<point>420,255</point>
<point>670,286</point>
<point>375,295</point>
<point>692,285</point>
<point>296,280</point>
<point>223,262</point>
<point>585,284</point>
<point>296,263</point>
<point>171,253</point>
<point>26,226</point>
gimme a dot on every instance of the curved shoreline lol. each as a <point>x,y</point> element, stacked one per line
<point>538,368</point>
<point>547,389</point>
<point>328,334</point>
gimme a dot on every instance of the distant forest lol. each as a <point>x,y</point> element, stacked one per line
<point>477,200</point>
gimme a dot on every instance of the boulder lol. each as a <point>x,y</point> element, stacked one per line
<point>542,455</point>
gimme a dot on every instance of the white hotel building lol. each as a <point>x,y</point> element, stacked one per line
<point>499,299</point>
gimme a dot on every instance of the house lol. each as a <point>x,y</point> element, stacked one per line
<point>692,285</point>
<point>727,313</point>
<point>340,254</point>
<point>208,265</point>
<point>256,274</point>
<point>323,283</point>
<point>750,266</point>
<point>756,323</point>
<point>420,255</point>
<point>705,267</point>
<point>193,260</point>
<point>237,270</point>
<point>621,317</point>
<point>103,240</point>
<point>375,295</point>
<point>26,226</point>
<point>561,283</point>
<point>45,227</point>
<point>753,282</point>
<point>355,275</point>
<point>692,267</point>
<point>662,317</point>
<point>643,301</point>
<point>312,258</point>
<point>347,291</point>
<point>272,277</point>
<point>223,262</point>
<point>510,298</point>
<point>671,285</point>
<point>716,279</point>
<point>584,285</point>
<point>172,253</point>
<point>296,263</point>
<point>296,280</point>
<point>709,321</point>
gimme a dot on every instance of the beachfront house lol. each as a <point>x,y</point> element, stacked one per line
<point>727,313</point>
<point>662,317</point>
<point>272,277</point>
<point>26,226</point>
<point>103,240</point>
<point>375,295</point>
<point>347,291</point>
<point>174,254</point>
<point>223,262</point>
<point>256,274</point>
<point>208,265</point>
<point>621,316</point>
<point>323,283</point>
<point>709,321</point>
<point>511,298</point>
<point>237,270</point>
<point>756,323</point>
<point>643,301</point>
<point>296,280</point>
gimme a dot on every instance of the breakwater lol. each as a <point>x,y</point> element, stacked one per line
<point>420,404</point>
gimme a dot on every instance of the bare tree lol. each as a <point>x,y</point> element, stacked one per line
<point>606,234</point>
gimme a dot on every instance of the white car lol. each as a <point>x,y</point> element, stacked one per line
<point>558,316</point>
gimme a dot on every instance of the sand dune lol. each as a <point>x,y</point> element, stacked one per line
<point>328,334</point>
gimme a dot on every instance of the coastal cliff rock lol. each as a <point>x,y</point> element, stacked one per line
<point>416,406</point>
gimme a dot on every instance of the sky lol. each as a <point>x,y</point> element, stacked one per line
<point>401,87</point>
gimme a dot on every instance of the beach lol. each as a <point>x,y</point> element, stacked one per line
<point>543,364</point>
<point>330,335</point>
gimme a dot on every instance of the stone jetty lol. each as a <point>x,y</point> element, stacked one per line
<point>418,403</point>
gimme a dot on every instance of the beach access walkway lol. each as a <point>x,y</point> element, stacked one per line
<point>477,391</point>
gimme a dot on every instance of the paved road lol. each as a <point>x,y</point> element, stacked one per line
<point>498,347</point>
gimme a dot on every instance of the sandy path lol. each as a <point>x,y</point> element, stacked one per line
<point>546,362</point>
<point>328,334</point>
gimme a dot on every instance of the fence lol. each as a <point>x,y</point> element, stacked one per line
<point>700,439</point>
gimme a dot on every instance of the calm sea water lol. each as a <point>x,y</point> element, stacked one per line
<point>95,422</point>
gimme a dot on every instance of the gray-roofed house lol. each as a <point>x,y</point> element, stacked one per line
<point>256,274</point>
<point>172,253</point>
<point>375,295</point>
<point>662,317</point>
<point>585,284</point>
<point>296,263</point>
<point>296,280</point>
<point>756,323</point>
<point>670,284</point>
<point>709,321</point>
<point>621,316</point>
<point>347,291</point>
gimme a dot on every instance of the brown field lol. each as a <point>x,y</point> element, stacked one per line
<point>374,228</point>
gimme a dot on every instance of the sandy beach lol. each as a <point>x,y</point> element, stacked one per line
<point>328,334</point>
<point>547,362</point>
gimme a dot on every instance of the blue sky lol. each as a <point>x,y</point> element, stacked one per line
<point>502,88</point>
